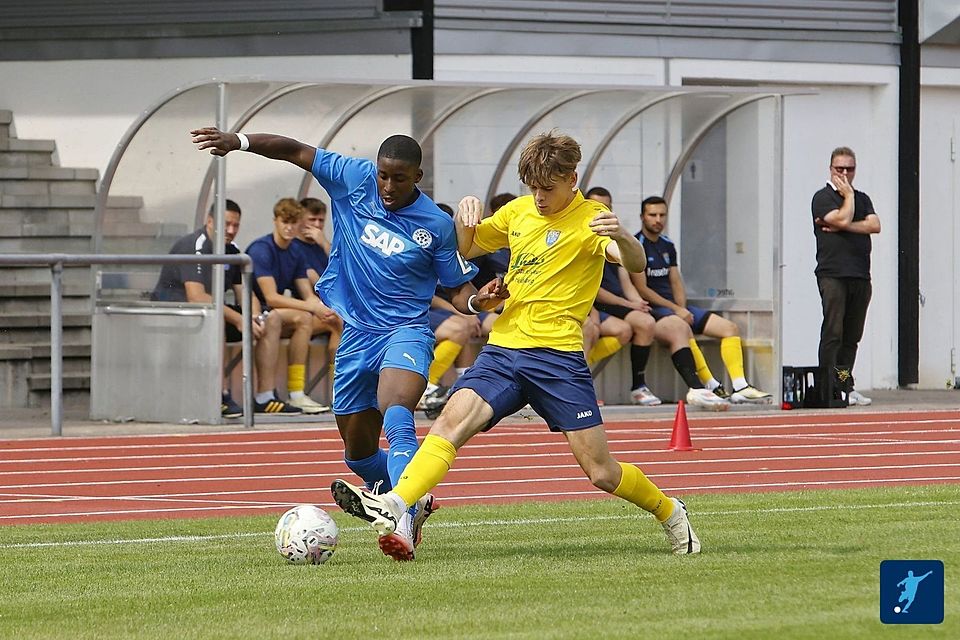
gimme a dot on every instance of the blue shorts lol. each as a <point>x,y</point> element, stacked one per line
<point>557,384</point>
<point>362,355</point>
<point>700,316</point>
<point>437,317</point>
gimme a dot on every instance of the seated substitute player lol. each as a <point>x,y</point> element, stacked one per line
<point>558,240</point>
<point>194,283</point>
<point>619,300</point>
<point>279,265</point>
<point>677,322</point>
<point>391,245</point>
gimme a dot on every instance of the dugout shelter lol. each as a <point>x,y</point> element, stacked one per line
<point>714,153</point>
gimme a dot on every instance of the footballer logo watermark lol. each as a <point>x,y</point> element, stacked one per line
<point>911,592</point>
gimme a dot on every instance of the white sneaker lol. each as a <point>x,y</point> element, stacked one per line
<point>644,397</point>
<point>855,398</point>
<point>307,405</point>
<point>425,506</point>
<point>707,400</point>
<point>381,512</point>
<point>750,395</point>
<point>679,532</point>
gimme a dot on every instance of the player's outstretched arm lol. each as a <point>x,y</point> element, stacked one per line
<point>268,145</point>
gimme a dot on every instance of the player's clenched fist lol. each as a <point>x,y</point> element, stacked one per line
<point>470,211</point>
<point>491,295</point>
<point>605,224</point>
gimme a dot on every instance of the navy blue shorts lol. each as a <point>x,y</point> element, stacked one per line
<point>437,317</point>
<point>557,384</point>
<point>700,316</point>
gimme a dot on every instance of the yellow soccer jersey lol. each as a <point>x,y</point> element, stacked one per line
<point>556,263</point>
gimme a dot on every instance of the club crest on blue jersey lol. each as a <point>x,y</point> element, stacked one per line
<point>552,236</point>
<point>383,241</point>
<point>666,257</point>
<point>423,238</point>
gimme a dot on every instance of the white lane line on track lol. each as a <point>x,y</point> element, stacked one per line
<point>65,444</point>
<point>574,478</point>
<point>500,457</point>
<point>465,459</point>
<point>558,443</point>
<point>454,524</point>
<point>339,463</point>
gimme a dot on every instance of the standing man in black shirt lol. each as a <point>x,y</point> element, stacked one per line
<point>843,219</point>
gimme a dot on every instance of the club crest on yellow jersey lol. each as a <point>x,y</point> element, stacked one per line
<point>552,236</point>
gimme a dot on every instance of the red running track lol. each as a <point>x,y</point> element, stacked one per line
<point>239,473</point>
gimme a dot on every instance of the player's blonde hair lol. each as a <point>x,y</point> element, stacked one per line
<point>288,210</point>
<point>547,158</point>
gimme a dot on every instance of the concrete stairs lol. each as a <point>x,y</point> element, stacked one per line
<point>46,208</point>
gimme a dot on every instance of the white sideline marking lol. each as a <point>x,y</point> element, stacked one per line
<point>466,454</point>
<point>463,524</point>
<point>231,479</point>
<point>338,463</point>
<point>750,422</point>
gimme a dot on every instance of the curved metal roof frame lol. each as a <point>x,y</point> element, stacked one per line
<point>438,121</point>
<point>522,133</point>
<point>622,122</point>
<point>383,90</point>
<point>697,138</point>
<point>241,122</point>
<point>344,118</point>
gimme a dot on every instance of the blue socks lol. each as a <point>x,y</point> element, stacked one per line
<point>401,432</point>
<point>372,470</point>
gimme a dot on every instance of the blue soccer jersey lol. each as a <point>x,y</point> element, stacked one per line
<point>661,255</point>
<point>384,265</point>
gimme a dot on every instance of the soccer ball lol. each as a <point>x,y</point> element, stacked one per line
<point>306,535</point>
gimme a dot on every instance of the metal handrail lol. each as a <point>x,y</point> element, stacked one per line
<point>56,261</point>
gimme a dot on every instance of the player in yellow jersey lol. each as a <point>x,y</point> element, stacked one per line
<point>558,243</point>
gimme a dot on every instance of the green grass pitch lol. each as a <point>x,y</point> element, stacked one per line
<point>775,565</point>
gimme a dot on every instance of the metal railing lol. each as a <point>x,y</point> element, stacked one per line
<point>56,261</point>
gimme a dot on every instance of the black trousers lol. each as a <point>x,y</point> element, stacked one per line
<point>845,302</point>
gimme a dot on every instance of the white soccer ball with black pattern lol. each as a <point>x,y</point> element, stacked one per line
<point>306,535</point>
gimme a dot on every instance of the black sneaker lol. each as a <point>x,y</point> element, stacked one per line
<point>229,408</point>
<point>276,406</point>
<point>720,392</point>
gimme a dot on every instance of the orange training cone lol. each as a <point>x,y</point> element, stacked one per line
<point>680,439</point>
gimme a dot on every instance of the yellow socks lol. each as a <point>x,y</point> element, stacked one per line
<point>444,355</point>
<point>636,488</point>
<point>604,347</point>
<point>427,468</point>
<point>296,373</point>
<point>703,370</point>
<point>732,353</point>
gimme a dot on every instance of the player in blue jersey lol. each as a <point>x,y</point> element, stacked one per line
<point>391,245</point>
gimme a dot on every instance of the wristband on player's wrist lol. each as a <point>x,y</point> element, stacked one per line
<point>470,306</point>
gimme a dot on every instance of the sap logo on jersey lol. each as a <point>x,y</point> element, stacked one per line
<point>382,241</point>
